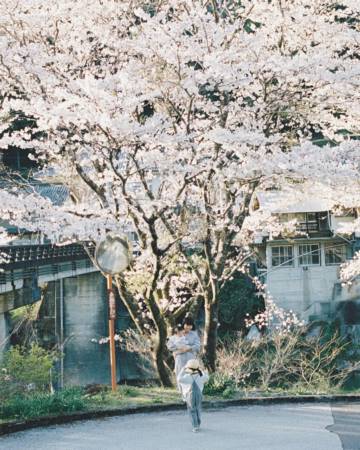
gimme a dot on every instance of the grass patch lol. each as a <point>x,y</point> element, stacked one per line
<point>129,396</point>
<point>41,404</point>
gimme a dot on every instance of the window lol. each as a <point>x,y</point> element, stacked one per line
<point>282,256</point>
<point>313,222</point>
<point>309,255</point>
<point>334,254</point>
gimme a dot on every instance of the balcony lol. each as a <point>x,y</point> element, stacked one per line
<point>314,224</point>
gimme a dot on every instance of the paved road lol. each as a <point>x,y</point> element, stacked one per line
<point>272,427</point>
<point>347,425</point>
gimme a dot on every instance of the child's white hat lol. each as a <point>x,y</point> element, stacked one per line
<point>193,364</point>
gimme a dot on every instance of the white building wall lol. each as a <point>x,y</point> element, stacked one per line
<point>338,222</point>
<point>306,290</point>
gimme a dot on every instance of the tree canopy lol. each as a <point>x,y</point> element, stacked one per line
<point>166,117</point>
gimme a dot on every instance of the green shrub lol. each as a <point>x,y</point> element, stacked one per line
<point>218,383</point>
<point>42,404</point>
<point>25,371</point>
<point>229,392</point>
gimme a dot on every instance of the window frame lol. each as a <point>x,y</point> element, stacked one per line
<point>309,253</point>
<point>333,249</point>
<point>313,222</point>
<point>290,262</point>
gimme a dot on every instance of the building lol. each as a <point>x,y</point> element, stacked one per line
<point>68,292</point>
<point>301,267</point>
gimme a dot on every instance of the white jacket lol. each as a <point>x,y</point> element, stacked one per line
<point>186,378</point>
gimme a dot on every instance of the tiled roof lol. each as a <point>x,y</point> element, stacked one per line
<point>56,193</point>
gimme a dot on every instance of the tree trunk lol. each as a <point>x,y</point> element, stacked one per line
<point>160,353</point>
<point>128,302</point>
<point>210,334</point>
<point>160,357</point>
<point>160,349</point>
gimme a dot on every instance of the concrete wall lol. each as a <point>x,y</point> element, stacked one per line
<point>307,290</point>
<point>84,318</point>
<point>18,297</point>
<point>44,275</point>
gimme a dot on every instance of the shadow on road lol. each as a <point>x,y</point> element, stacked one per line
<point>346,424</point>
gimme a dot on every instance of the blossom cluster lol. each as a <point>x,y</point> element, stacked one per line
<point>350,270</point>
<point>273,317</point>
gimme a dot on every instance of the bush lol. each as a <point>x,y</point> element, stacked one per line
<point>284,361</point>
<point>42,404</point>
<point>229,392</point>
<point>218,384</point>
<point>26,371</point>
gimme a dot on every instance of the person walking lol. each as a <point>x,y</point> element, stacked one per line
<point>192,380</point>
<point>184,344</point>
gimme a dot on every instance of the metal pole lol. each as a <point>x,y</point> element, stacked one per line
<point>112,316</point>
<point>61,281</point>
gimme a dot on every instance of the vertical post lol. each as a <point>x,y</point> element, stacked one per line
<point>112,316</point>
<point>61,281</point>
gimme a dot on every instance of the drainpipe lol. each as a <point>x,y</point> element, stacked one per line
<point>56,331</point>
<point>61,281</point>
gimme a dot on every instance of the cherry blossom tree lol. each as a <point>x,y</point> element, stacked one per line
<point>168,116</point>
<point>351,269</point>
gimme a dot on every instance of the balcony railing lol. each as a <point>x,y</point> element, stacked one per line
<point>315,223</point>
<point>310,227</point>
<point>35,255</point>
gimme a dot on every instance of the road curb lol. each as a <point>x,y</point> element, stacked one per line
<point>13,427</point>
